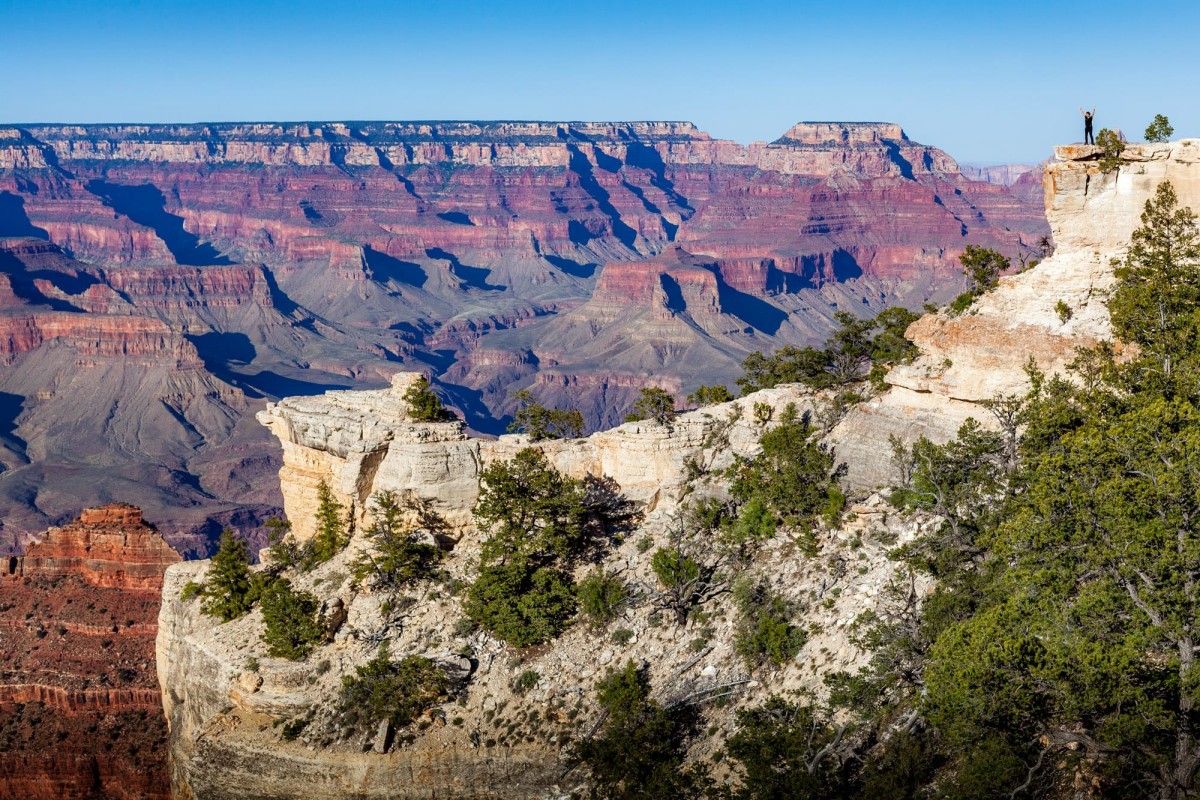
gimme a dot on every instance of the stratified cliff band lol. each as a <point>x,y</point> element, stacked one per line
<point>157,282</point>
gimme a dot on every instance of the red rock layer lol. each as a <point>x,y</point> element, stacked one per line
<point>80,708</point>
<point>111,547</point>
<point>156,281</point>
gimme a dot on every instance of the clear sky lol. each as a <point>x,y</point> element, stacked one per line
<point>986,81</point>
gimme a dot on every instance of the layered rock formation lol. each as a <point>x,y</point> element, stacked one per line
<point>223,716</point>
<point>227,702</point>
<point>160,282</point>
<point>982,353</point>
<point>80,709</point>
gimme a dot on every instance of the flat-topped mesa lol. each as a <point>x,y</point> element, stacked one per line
<point>983,352</point>
<point>843,133</point>
<point>111,547</point>
<point>361,443</point>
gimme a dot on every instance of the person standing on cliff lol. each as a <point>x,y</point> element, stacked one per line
<point>1088,138</point>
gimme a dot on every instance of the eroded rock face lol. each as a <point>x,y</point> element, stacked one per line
<point>160,283</point>
<point>111,547</point>
<point>361,443</point>
<point>80,709</point>
<point>227,701</point>
<point>983,352</point>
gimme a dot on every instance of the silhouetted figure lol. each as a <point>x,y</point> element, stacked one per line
<point>1088,138</point>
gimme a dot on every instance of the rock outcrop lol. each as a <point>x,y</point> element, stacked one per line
<point>80,708</point>
<point>227,701</point>
<point>207,269</point>
<point>110,547</point>
<point>361,443</point>
<point>981,354</point>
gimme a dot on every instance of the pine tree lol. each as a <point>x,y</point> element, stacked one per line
<point>332,529</point>
<point>226,592</point>
<point>397,557</point>
<point>291,628</point>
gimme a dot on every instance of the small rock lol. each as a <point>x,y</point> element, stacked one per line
<point>709,671</point>
<point>383,737</point>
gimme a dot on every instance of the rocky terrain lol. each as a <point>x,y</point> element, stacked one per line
<point>982,354</point>
<point>226,701</point>
<point>80,709</point>
<point>160,283</point>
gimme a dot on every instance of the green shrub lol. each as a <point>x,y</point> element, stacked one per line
<point>424,405</point>
<point>283,552</point>
<point>537,521</point>
<point>961,303</point>
<point>835,504</point>
<point>844,358</point>
<point>601,596</point>
<point>622,636</point>
<point>396,557</point>
<point>539,422</point>
<point>292,730</point>
<point>526,681</point>
<point>792,476</point>
<point>673,568</point>
<point>1111,148</point>
<point>656,404</point>
<point>766,634</point>
<point>710,395</point>
<point>755,523</point>
<point>786,751</point>
<point>1063,310</point>
<point>290,619</point>
<point>1159,130</point>
<point>640,750</point>
<point>520,604</point>
<point>529,510</point>
<point>398,691</point>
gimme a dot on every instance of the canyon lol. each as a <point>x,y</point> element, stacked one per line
<point>160,284</point>
<point>225,699</point>
<point>80,708</point>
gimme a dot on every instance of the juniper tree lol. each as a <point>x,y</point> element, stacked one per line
<point>396,555</point>
<point>226,592</point>
<point>539,422</point>
<point>1082,652</point>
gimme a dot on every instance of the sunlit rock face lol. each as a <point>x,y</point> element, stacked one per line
<point>983,352</point>
<point>80,710</point>
<point>159,284</point>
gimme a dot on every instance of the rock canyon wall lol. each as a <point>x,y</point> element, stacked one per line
<point>224,713</point>
<point>982,354</point>
<point>160,283</point>
<point>80,709</point>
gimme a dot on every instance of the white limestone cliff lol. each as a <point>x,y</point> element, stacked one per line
<point>983,352</point>
<point>363,442</point>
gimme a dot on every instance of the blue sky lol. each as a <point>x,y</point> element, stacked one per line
<point>986,81</point>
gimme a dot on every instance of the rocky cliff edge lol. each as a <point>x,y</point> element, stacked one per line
<point>982,353</point>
